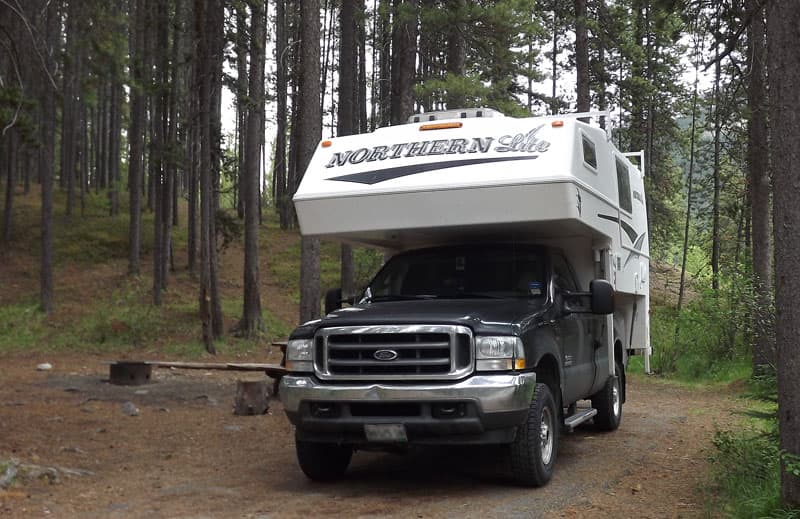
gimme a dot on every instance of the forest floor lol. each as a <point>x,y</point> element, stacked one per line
<point>78,454</point>
<point>186,455</point>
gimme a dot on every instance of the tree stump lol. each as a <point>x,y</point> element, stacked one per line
<point>251,398</point>
<point>130,373</point>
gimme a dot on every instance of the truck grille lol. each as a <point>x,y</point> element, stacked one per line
<point>419,352</point>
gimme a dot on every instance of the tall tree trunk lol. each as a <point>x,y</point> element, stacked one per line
<point>715,227</point>
<point>405,31</point>
<point>115,123</point>
<point>241,104</point>
<point>160,149</point>
<point>582,56</point>
<point>759,183</point>
<point>310,131</point>
<point>136,137</point>
<point>216,33</point>
<point>689,187</point>
<point>11,172</point>
<point>554,101</point>
<point>69,94</point>
<point>279,164</point>
<point>361,91</point>
<point>328,44</point>
<point>783,20</point>
<point>347,117</point>
<point>385,54</point>
<point>456,50</point>
<point>192,108</point>
<point>47,154</point>
<point>204,70</point>
<point>251,322</point>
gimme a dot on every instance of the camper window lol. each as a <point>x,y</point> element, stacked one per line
<point>624,186</point>
<point>589,153</point>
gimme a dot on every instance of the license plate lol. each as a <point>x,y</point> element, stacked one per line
<point>386,433</point>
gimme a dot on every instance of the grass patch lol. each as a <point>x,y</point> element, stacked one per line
<point>285,267</point>
<point>21,327</point>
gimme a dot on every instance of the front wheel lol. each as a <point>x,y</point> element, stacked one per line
<point>533,452</point>
<point>608,402</point>
<point>323,461</point>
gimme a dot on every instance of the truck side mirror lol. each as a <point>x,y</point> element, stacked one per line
<point>602,295</point>
<point>333,300</point>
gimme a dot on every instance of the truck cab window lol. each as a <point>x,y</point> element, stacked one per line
<point>451,272</point>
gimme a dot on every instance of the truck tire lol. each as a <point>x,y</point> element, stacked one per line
<point>533,452</point>
<point>323,461</point>
<point>608,402</point>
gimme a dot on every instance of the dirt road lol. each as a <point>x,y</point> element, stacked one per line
<point>186,455</point>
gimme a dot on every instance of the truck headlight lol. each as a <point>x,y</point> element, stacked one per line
<point>300,355</point>
<point>499,353</point>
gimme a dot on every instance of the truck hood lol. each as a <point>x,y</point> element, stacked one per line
<point>483,316</point>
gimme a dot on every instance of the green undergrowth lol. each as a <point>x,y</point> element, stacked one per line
<point>127,321</point>
<point>285,267</point>
<point>746,462</point>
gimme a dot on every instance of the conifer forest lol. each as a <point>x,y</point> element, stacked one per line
<point>151,138</point>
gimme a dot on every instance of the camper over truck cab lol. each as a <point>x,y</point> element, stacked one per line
<point>516,290</point>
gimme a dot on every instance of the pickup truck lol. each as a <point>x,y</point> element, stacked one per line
<point>469,344</point>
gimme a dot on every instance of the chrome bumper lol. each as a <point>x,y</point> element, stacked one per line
<point>491,393</point>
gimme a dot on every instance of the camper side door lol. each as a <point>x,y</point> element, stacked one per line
<point>575,334</point>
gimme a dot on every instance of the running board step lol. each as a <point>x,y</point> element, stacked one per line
<point>574,420</point>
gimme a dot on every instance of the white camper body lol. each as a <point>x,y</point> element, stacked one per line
<point>453,178</point>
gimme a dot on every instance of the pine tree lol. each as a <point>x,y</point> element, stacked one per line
<point>309,123</point>
<point>251,322</point>
<point>783,19</point>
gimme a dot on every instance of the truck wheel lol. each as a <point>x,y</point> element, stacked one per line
<point>533,452</point>
<point>323,461</point>
<point>608,402</point>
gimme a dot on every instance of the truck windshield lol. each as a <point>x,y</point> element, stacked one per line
<point>497,271</point>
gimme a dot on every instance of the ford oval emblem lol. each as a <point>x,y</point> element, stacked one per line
<point>385,355</point>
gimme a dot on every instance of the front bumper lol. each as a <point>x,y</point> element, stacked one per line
<point>479,409</point>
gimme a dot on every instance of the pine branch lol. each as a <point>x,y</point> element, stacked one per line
<point>733,39</point>
<point>20,13</point>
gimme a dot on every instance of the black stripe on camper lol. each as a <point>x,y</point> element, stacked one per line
<point>382,175</point>
<point>630,231</point>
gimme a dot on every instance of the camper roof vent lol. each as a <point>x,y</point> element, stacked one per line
<point>461,113</point>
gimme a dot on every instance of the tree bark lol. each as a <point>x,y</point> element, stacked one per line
<point>309,131</point>
<point>385,58</point>
<point>47,154</point>
<point>759,184</point>
<point>215,31</point>
<point>251,322</point>
<point>715,224</point>
<point>347,120</point>
<point>204,70</point>
<point>405,31</point>
<point>11,172</point>
<point>456,50</point>
<point>783,28</point>
<point>279,162</point>
<point>241,105</point>
<point>136,138</point>
<point>582,57</point>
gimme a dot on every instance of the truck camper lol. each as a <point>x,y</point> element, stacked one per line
<point>516,289</point>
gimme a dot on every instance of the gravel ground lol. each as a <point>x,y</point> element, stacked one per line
<point>184,454</point>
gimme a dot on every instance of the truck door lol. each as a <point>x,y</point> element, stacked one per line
<point>574,330</point>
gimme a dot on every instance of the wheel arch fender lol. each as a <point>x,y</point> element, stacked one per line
<point>544,357</point>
